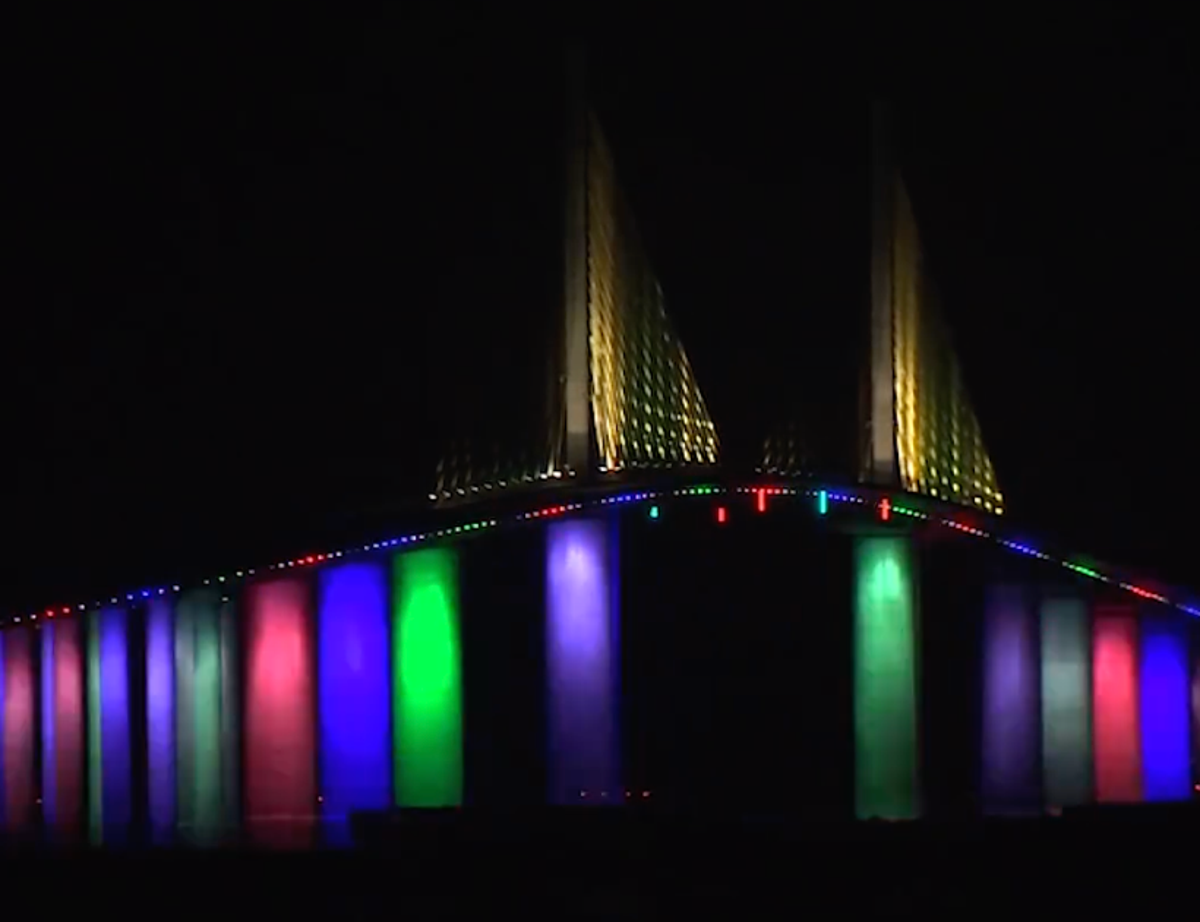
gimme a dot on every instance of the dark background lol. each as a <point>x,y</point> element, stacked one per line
<point>262,267</point>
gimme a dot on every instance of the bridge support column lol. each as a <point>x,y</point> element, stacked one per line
<point>17,737</point>
<point>62,730</point>
<point>885,679</point>
<point>1115,705</point>
<point>354,708</point>
<point>427,680</point>
<point>1195,712</point>
<point>1066,703</point>
<point>280,742</point>
<point>206,705</point>
<point>1165,714</point>
<point>1010,782</point>
<point>160,722</point>
<point>582,663</point>
<point>109,760</point>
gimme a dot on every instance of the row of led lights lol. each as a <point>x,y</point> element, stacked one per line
<point>885,509</point>
<point>823,497</point>
<point>315,559</point>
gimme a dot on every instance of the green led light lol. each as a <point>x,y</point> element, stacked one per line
<point>654,512</point>
<point>822,502</point>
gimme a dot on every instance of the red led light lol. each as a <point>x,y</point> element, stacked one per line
<point>885,509</point>
<point>762,500</point>
<point>721,515</point>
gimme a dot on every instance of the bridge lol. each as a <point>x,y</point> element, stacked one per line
<point>527,638</point>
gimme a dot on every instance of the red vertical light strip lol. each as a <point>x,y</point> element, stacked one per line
<point>721,515</point>
<point>18,739</point>
<point>280,737</point>
<point>1117,743</point>
<point>762,500</point>
<point>69,753</point>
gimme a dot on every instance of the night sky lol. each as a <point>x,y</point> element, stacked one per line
<point>262,265</point>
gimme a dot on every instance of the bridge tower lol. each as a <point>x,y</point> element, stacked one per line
<point>921,432</point>
<point>623,395</point>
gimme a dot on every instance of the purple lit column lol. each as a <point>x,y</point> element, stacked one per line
<point>1011,702</point>
<point>160,719</point>
<point>581,664</point>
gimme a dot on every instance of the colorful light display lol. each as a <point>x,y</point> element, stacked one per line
<point>160,720</point>
<point>885,679</point>
<point>1118,769</point>
<point>1011,767</point>
<point>280,756</point>
<point>1164,693</point>
<point>1066,702</point>
<point>63,741</point>
<point>581,664</point>
<point>190,732</point>
<point>427,680</point>
<point>353,682</point>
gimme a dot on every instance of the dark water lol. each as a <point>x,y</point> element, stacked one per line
<point>619,865</point>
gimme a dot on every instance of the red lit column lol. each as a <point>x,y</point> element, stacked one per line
<point>280,750</point>
<point>1117,743</point>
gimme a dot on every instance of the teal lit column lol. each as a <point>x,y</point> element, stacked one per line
<point>205,716</point>
<point>885,679</point>
<point>1066,702</point>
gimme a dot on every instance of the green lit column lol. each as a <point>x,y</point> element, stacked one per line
<point>426,680</point>
<point>198,716</point>
<point>885,679</point>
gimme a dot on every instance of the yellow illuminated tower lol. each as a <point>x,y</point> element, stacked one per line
<point>623,396</point>
<point>922,434</point>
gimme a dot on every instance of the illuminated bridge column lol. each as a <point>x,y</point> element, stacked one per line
<point>885,679</point>
<point>582,662</point>
<point>280,740</point>
<point>1011,766</point>
<point>160,720</point>
<point>17,797</point>
<point>1066,703</point>
<point>1118,769</point>
<point>354,693</point>
<point>1165,714</point>
<point>62,729</point>
<point>206,726</point>
<point>1196,715</point>
<point>427,680</point>
<point>110,781</point>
